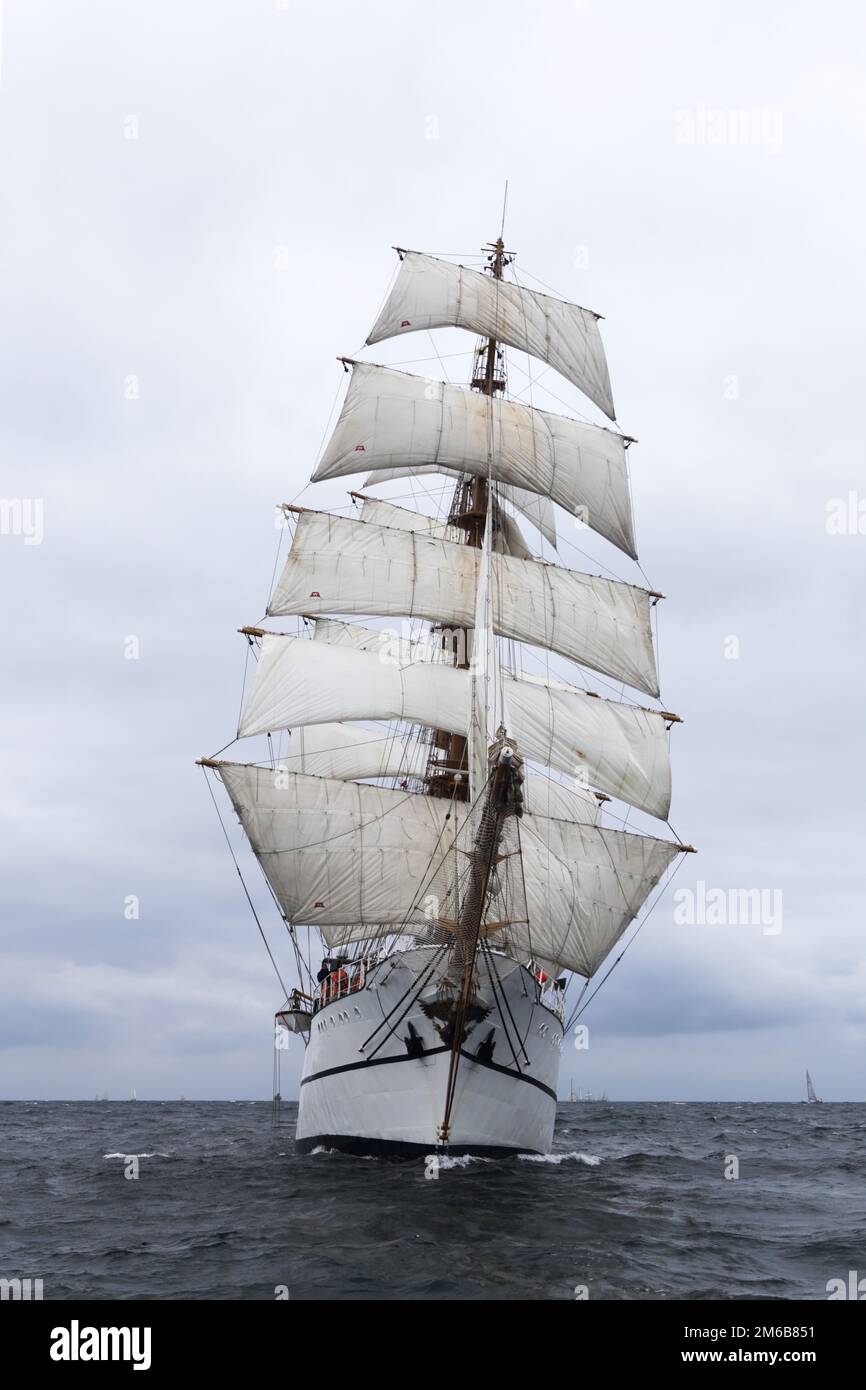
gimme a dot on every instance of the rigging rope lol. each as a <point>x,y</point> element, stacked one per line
<point>243,884</point>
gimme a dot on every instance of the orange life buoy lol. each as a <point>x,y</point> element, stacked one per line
<point>338,982</point>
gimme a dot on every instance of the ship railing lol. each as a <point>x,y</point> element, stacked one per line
<point>551,992</point>
<point>554,1000</point>
<point>341,982</point>
<point>298,1001</point>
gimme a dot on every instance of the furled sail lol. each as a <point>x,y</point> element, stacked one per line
<point>393,420</point>
<point>339,565</point>
<point>619,748</point>
<point>429,293</point>
<point>360,861</point>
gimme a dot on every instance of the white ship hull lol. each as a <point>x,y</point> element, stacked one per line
<point>376,1068</point>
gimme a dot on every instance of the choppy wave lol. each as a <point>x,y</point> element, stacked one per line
<point>637,1197</point>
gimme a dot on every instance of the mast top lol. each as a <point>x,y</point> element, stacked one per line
<point>497,257</point>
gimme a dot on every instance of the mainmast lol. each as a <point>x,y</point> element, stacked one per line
<point>448,773</point>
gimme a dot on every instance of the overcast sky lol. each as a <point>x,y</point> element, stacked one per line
<point>199,201</point>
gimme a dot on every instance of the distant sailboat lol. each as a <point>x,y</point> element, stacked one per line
<point>811,1097</point>
<point>575,1096</point>
<point>132,1095</point>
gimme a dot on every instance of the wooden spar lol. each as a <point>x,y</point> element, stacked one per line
<point>256,632</point>
<point>662,713</point>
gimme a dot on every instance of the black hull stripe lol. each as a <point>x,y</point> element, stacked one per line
<point>430,1052</point>
<point>396,1148</point>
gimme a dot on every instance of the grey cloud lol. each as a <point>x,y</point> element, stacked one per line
<point>307,129</point>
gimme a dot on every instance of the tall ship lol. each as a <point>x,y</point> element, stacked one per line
<point>432,808</point>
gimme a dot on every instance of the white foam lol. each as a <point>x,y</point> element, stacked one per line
<point>457,1160</point>
<point>152,1155</point>
<point>323,1149</point>
<point>589,1159</point>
